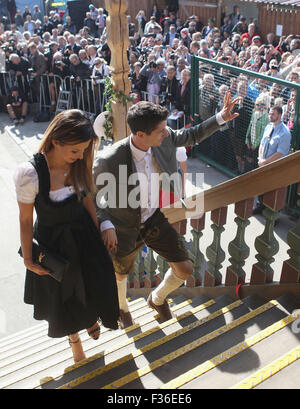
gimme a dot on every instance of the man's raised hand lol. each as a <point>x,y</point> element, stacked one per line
<point>226,113</point>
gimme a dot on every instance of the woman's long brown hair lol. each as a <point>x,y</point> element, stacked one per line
<point>72,127</point>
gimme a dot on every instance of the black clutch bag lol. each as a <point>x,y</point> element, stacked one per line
<point>56,264</point>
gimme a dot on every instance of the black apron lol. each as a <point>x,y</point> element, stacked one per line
<point>88,291</point>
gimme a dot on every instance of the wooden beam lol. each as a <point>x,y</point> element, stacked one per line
<point>118,42</point>
<point>276,175</point>
<point>184,3</point>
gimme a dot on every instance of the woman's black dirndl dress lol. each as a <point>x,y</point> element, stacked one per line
<point>88,291</point>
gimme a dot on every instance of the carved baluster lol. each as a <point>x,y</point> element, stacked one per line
<point>197,227</point>
<point>118,42</point>
<point>180,227</point>
<point>238,248</point>
<point>138,279</point>
<point>130,280</point>
<point>150,269</point>
<point>291,268</point>
<point>214,252</point>
<point>266,244</point>
<point>162,267</point>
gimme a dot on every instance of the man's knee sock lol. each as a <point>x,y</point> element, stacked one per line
<point>170,283</point>
<point>122,292</point>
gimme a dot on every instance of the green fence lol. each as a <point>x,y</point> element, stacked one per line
<point>234,149</point>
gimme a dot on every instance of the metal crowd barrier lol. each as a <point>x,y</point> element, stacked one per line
<point>157,99</point>
<point>87,94</point>
<point>10,79</point>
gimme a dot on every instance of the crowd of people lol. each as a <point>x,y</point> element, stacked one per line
<point>159,55</point>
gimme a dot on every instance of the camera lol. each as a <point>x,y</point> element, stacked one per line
<point>165,98</point>
<point>152,64</point>
<point>58,63</point>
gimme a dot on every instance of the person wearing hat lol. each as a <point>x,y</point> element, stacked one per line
<point>16,106</point>
<point>256,40</point>
<point>94,12</point>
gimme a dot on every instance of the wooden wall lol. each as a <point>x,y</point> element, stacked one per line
<point>133,7</point>
<point>204,9</point>
<point>269,17</point>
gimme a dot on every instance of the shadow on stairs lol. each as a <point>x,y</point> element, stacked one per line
<point>212,343</point>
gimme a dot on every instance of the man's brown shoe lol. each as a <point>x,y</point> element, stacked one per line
<point>125,319</point>
<point>164,311</point>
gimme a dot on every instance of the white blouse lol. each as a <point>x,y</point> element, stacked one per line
<point>27,185</point>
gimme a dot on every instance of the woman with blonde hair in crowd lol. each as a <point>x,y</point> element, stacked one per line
<point>57,182</point>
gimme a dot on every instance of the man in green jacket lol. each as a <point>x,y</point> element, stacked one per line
<point>124,172</point>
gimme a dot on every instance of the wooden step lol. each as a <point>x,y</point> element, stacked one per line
<point>223,370</point>
<point>150,351</point>
<point>212,343</point>
<point>53,359</point>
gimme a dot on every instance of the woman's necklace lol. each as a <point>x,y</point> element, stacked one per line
<point>66,172</point>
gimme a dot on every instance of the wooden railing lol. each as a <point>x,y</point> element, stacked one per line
<point>271,180</point>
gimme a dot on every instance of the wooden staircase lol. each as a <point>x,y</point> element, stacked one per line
<point>227,334</point>
<point>212,343</point>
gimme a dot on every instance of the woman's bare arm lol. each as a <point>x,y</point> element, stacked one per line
<point>88,203</point>
<point>26,236</point>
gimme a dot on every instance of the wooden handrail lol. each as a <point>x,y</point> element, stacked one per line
<point>275,175</point>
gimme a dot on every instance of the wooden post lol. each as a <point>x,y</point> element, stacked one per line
<point>214,252</point>
<point>266,244</point>
<point>238,249</point>
<point>118,42</point>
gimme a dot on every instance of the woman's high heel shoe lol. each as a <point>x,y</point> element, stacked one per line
<point>94,331</point>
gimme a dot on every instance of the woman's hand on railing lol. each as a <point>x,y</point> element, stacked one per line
<point>226,113</point>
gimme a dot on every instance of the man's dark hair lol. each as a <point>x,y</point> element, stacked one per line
<point>145,116</point>
<point>278,109</point>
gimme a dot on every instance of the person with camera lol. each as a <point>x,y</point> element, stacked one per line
<point>17,106</point>
<point>18,68</point>
<point>138,82</point>
<point>169,89</point>
<point>61,67</point>
<point>151,72</point>
<point>78,69</point>
<point>53,48</point>
<point>183,99</point>
<point>39,67</point>
<point>72,47</point>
